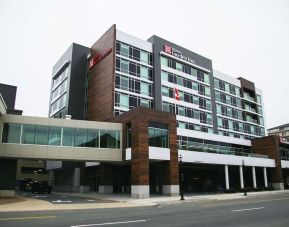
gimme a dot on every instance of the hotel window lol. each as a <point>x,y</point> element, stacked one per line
<point>144,88</point>
<point>124,83</point>
<point>144,72</point>
<point>123,101</point>
<point>165,76</point>
<point>181,110</point>
<point>124,50</point>
<point>207,78</point>
<point>164,61</point>
<point>165,91</point>
<point>219,109</point>
<point>144,103</point>
<point>194,72</point>
<point>124,66</point>
<point>182,125</point>
<point>179,66</point>
<point>207,91</point>
<point>165,107</point>
<point>144,56</point>
<point>227,87</point>
<point>180,81</point>
<point>259,99</point>
<point>195,86</point>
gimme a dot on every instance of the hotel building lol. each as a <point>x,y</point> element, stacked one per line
<point>153,102</point>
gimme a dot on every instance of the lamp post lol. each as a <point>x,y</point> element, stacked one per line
<point>243,167</point>
<point>181,174</point>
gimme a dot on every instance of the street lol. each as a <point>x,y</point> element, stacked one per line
<point>269,210</point>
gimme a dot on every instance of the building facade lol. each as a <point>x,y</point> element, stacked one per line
<point>136,107</point>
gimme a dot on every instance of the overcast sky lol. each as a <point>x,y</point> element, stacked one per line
<point>243,38</point>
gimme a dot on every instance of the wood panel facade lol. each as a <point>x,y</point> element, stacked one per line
<point>100,97</point>
<point>269,145</point>
<point>139,119</point>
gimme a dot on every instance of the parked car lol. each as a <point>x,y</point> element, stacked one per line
<point>39,187</point>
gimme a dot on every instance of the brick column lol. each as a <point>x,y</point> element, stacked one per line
<point>139,159</point>
<point>171,168</point>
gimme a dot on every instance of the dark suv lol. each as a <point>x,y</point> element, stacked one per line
<point>39,187</point>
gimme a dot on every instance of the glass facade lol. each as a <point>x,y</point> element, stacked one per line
<point>200,145</point>
<point>158,137</point>
<point>60,136</point>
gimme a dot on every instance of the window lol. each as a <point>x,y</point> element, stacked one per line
<point>165,91</point>
<point>144,88</point>
<point>124,66</point>
<point>164,61</point>
<point>123,101</point>
<point>207,78</point>
<point>182,125</point>
<point>194,72</point>
<point>124,50</point>
<point>195,86</point>
<point>165,76</point>
<point>11,133</point>
<point>166,107</point>
<point>181,110</point>
<point>144,56</point>
<point>219,109</point>
<point>54,136</point>
<point>180,81</point>
<point>68,137</point>
<point>109,139</point>
<point>144,72</point>
<point>80,137</point>
<point>41,135</point>
<point>124,83</point>
<point>28,134</point>
<point>196,100</point>
<point>179,66</point>
<point>144,103</point>
<point>158,137</point>
<point>207,91</point>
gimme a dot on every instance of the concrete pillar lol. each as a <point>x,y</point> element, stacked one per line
<point>227,177</point>
<point>254,177</point>
<point>76,179</point>
<point>170,184</point>
<point>241,177</point>
<point>265,177</point>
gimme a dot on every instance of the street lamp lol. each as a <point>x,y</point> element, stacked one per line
<point>181,174</point>
<point>243,167</point>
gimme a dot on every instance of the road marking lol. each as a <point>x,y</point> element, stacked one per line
<point>26,218</point>
<point>61,201</point>
<point>245,202</point>
<point>255,208</point>
<point>110,223</point>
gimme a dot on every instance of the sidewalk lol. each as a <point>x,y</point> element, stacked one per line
<point>121,201</point>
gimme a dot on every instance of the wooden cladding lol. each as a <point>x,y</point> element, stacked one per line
<point>269,145</point>
<point>100,97</point>
<point>139,119</point>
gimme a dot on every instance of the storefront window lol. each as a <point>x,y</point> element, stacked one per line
<point>54,136</point>
<point>68,137</point>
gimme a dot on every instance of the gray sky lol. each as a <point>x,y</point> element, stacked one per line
<point>246,38</point>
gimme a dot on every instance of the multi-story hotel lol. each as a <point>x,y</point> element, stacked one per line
<point>137,106</point>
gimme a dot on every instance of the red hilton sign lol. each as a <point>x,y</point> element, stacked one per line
<point>97,58</point>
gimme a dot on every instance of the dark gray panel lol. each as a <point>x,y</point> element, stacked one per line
<point>8,93</point>
<point>8,174</point>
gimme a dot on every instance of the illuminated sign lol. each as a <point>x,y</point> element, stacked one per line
<point>97,58</point>
<point>175,52</point>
